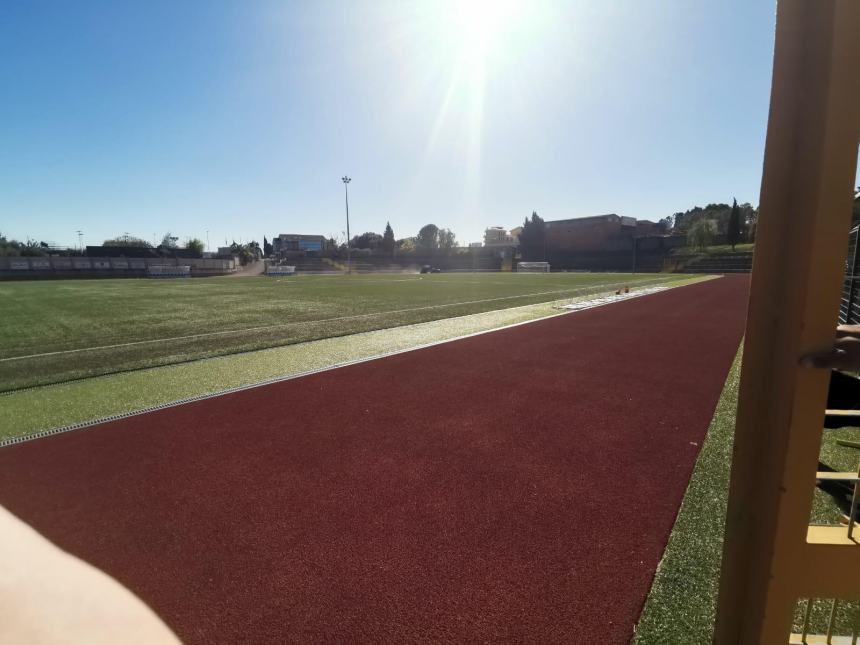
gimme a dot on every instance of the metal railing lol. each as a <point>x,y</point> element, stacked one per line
<point>849,306</point>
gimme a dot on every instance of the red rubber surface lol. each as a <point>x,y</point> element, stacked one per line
<point>518,485</point>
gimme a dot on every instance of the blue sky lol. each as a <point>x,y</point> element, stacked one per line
<point>240,117</point>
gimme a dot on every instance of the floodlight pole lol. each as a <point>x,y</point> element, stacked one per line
<point>346,181</point>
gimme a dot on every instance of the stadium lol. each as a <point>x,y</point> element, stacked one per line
<point>598,429</point>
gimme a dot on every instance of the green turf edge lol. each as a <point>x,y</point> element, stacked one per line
<point>34,410</point>
<point>681,606</point>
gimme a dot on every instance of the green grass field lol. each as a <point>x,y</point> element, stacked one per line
<point>56,331</point>
<point>682,604</point>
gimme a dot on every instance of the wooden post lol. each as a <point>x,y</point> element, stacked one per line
<point>805,213</point>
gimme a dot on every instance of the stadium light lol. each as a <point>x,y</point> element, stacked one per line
<point>346,181</point>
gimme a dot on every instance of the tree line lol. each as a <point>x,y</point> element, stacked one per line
<point>429,239</point>
<point>737,223</point>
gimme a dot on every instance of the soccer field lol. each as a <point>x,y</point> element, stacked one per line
<point>54,331</point>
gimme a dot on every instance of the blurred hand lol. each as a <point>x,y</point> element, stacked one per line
<point>50,597</point>
<point>844,355</point>
<point>848,331</point>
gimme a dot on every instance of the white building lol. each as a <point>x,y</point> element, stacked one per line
<point>497,236</point>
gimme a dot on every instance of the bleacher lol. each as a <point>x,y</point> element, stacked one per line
<point>315,265</point>
<point>717,263</point>
<point>380,264</point>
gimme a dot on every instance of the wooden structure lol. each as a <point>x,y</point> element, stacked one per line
<point>772,557</point>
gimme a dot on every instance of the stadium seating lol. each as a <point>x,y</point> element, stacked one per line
<point>727,263</point>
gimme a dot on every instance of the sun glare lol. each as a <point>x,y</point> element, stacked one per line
<point>473,43</point>
<point>482,26</point>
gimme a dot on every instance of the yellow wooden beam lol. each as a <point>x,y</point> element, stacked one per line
<point>842,413</point>
<point>829,565</point>
<point>805,212</point>
<point>837,476</point>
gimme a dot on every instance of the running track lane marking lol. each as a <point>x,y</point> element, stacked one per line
<point>468,491</point>
<point>312,322</point>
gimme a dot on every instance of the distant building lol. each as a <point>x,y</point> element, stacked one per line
<point>497,236</point>
<point>289,242</point>
<point>609,232</point>
<point>475,245</point>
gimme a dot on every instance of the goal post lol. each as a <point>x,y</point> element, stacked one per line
<point>532,267</point>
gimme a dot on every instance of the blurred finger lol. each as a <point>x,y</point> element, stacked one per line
<point>832,359</point>
<point>848,331</point>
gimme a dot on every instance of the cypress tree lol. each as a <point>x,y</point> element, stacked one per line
<point>733,234</point>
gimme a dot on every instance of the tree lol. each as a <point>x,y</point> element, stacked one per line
<point>717,213</point>
<point>446,238</point>
<point>267,247</point>
<point>169,241</point>
<point>533,239</point>
<point>388,239</point>
<point>195,245</point>
<point>406,245</point>
<point>750,219</point>
<point>665,224</point>
<point>700,233</point>
<point>733,230</point>
<point>428,238</point>
<point>127,240</point>
<point>30,248</point>
<point>245,252</point>
<point>9,247</point>
<point>367,240</point>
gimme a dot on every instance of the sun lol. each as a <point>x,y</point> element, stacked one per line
<point>483,26</point>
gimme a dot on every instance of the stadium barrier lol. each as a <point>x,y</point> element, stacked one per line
<point>17,268</point>
<point>280,269</point>
<point>532,267</point>
<point>167,271</point>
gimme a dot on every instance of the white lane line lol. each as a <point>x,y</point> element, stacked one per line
<point>309,322</point>
<point>596,302</point>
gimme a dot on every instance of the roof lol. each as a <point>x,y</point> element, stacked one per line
<point>584,220</point>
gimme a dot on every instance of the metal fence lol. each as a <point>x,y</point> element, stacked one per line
<point>849,307</point>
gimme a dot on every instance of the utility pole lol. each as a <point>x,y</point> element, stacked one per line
<point>80,240</point>
<point>346,181</point>
<point>207,240</point>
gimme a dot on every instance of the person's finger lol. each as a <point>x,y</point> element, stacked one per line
<point>848,331</point>
<point>833,358</point>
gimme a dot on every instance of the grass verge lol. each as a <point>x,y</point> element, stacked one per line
<point>681,606</point>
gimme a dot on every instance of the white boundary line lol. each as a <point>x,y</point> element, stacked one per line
<point>211,395</point>
<point>309,322</point>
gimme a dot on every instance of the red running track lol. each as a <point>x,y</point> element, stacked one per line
<point>518,485</point>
